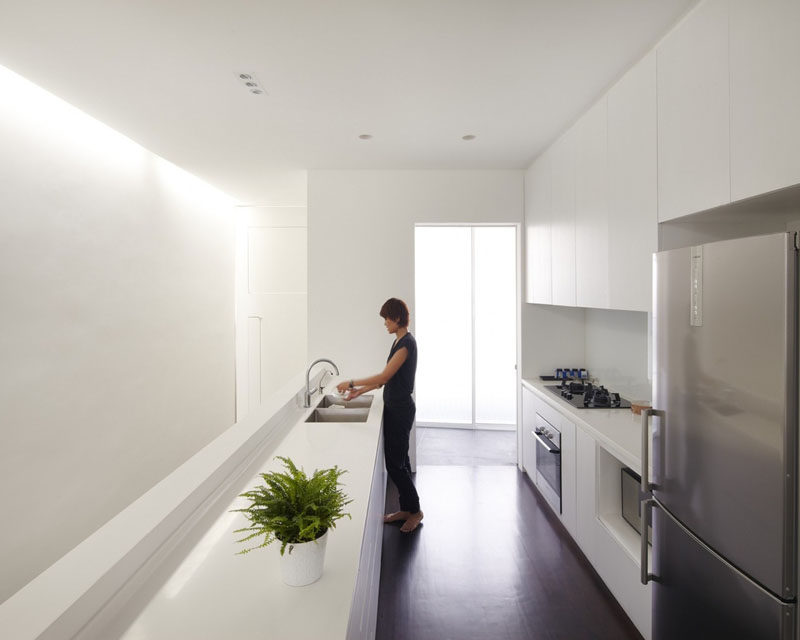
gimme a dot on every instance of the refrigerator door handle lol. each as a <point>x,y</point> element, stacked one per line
<point>647,506</point>
<point>646,413</point>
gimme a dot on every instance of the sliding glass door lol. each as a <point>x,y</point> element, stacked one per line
<point>465,298</point>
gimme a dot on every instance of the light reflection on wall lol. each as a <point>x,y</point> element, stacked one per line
<point>30,113</point>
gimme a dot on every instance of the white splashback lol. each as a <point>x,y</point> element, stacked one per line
<point>616,351</point>
<point>552,337</point>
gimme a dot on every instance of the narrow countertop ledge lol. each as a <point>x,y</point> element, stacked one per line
<point>113,584</point>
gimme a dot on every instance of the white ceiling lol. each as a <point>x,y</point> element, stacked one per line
<point>415,74</point>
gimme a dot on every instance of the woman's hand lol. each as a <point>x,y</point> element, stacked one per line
<point>343,386</point>
<point>355,392</point>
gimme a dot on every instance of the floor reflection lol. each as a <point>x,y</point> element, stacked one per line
<point>490,560</point>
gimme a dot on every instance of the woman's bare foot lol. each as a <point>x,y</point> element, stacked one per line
<point>412,522</point>
<point>397,515</point>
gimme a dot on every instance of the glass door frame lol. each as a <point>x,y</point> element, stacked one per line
<point>518,338</point>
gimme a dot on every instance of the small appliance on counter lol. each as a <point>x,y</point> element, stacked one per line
<point>584,395</point>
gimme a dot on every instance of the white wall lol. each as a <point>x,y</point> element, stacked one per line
<point>552,337</point>
<point>271,301</point>
<point>612,345</point>
<point>361,248</point>
<point>116,324</point>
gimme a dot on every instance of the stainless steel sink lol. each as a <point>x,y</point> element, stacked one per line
<point>330,400</point>
<point>337,414</point>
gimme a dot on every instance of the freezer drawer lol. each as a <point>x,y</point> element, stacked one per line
<point>699,596</point>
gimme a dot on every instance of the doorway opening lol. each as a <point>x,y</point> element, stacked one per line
<point>466,325</point>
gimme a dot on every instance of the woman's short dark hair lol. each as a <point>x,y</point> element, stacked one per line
<point>395,309</point>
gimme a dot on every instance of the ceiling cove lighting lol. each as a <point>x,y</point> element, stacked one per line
<point>250,82</point>
<point>69,133</point>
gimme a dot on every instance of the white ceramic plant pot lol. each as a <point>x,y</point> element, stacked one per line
<point>302,563</point>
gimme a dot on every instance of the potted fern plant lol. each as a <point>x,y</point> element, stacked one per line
<point>298,511</point>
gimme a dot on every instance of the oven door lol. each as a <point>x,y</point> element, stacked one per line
<point>548,463</point>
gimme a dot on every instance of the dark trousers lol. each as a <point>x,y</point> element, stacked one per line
<point>397,423</point>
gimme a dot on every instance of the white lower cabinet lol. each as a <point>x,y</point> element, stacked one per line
<point>591,507</point>
<point>614,544</point>
<point>533,406</point>
<point>528,439</point>
<point>586,496</point>
<point>568,477</point>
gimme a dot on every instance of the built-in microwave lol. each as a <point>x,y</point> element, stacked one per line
<point>631,500</point>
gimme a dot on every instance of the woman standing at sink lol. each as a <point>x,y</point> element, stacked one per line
<point>398,409</point>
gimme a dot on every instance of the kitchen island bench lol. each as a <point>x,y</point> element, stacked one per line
<point>215,593</point>
<point>166,568</point>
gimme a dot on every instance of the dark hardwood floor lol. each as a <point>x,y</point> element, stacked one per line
<point>489,561</point>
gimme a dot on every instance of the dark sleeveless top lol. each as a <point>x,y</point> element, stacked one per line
<point>398,390</point>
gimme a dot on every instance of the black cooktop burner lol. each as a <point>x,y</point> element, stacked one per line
<point>584,395</point>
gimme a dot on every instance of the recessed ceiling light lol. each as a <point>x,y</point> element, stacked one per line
<point>250,82</point>
<point>365,136</point>
<point>468,137</point>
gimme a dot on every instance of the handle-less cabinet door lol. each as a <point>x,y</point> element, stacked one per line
<point>765,129</point>
<point>724,456</point>
<point>591,209</point>
<point>632,187</point>
<point>538,232</point>
<point>562,229</point>
<point>698,596</point>
<point>693,113</point>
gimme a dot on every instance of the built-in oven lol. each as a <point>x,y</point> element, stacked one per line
<point>548,461</point>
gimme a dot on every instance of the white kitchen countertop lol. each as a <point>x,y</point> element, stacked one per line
<point>618,431</point>
<point>217,594</point>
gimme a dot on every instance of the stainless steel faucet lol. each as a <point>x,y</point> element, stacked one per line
<point>309,392</point>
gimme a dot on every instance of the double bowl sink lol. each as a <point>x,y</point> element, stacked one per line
<point>333,408</point>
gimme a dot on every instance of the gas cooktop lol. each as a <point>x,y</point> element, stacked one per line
<point>585,395</point>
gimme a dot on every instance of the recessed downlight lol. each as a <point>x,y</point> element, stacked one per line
<point>250,82</point>
<point>469,137</point>
<point>365,136</point>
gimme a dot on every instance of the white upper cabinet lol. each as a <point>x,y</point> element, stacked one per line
<point>538,281</point>
<point>562,155</point>
<point>632,187</point>
<point>693,113</point>
<point>591,209</point>
<point>764,95</point>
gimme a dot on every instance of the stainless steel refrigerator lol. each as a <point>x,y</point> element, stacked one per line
<point>724,428</point>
